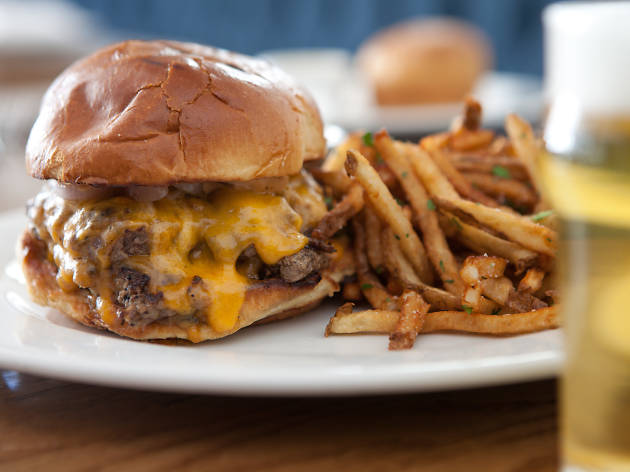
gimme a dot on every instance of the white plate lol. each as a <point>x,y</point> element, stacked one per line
<point>286,358</point>
<point>345,99</point>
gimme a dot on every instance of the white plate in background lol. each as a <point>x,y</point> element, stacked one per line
<point>345,98</point>
<point>291,357</point>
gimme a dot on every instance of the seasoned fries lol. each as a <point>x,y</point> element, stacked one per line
<point>449,234</point>
<point>437,248</point>
<point>387,208</point>
<point>517,228</point>
<point>335,219</point>
<point>369,283</point>
<point>413,309</point>
<point>384,321</point>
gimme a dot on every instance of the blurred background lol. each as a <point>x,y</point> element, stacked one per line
<point>315,40</point>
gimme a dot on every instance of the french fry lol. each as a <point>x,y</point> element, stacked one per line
<point>517,228</point>
<point>498,290</point>
<point>461,184</point>
<point>511,189</point>
<point>471,117</point>
<point>522,302</point>
<point>384,321</point>
<point>351,291</point>
<point>369,284</point>
<point>482,242</point>
<point>389,211</point>
<point>472,298</point>
<point>469,163</point>
<point>338,181</point>
<point>527,149</point>
<point>374,247</point>
<point>437,248</point>
<point>335,160</point>
<point>335,219</point>
<point>400,268</point>
<point>365,321</point>
<point>476,268</point>
<point>413,309</point>
<point>432,178</point>
<point>466,140</point>
<point>532,280</point>
<point>435,141</point>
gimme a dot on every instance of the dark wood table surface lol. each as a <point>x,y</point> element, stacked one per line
<point>55,425</point>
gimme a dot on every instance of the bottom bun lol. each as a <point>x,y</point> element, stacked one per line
<point>268,300</point>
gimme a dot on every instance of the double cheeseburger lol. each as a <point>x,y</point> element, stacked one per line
<point>176,203</point>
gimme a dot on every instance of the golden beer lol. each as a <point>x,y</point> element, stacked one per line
<point>593,203</point>
<point>586,175</point>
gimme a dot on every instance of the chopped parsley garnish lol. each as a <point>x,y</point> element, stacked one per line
<point>502,172</point>
<point>379,158</point>
<point>406,235</point>
<point>456,222</point>
<point>541,215</point>
<point>404,174</point>
<point>550,240</point>
<point>379,269</point>
<point>430,205</point>
<point>368,139</point>
<point>442,265</point>
<point>467,309</point>
<point>328,201</point>
<point>366,286</point>
<point>449,281</point>
<point>397,237</point>
<point>496,311</point>
<point>400,202</point>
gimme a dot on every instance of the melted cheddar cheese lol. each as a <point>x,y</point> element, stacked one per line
<point>193,242</point>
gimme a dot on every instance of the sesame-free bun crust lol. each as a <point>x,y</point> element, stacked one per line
<point>269,300</point>
<point>424,61</point>
<point>162,112</point>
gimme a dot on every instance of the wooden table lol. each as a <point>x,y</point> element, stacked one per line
<point>53,425</point>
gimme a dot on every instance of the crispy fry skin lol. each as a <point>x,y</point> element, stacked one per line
<point>413,310</point>
<point>384,321</point>
<point>351,291</point>
<point>387,208</point>
<point>428,172</point>
<point>374,246</point>
<point>483,242</point>
<point>517,228</point>
<point>400,268</point>
<point>532,280</point>
<point>369,284</point>
<point>437,248</point>
<point>335,219</point>
<point>461,184</point>
<point>527,149</point>
<point>466,140</point>
<point>480,164</point>
<point>476,268</point>
<point>511,189</point>
<point>337,157</point>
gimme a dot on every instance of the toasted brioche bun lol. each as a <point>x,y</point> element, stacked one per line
<point>162,112</point>
<point>268,300</point>
<point>424,61</point>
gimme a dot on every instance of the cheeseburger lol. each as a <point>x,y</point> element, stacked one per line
<point>176,203</point>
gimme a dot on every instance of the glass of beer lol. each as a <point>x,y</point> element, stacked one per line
<point>586,173</point>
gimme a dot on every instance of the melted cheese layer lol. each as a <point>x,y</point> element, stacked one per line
<point>193,243</point>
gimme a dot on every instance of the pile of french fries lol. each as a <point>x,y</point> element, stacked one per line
<point>451,233</point>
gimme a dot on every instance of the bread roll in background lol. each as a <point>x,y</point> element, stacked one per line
<point>424,61</point>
